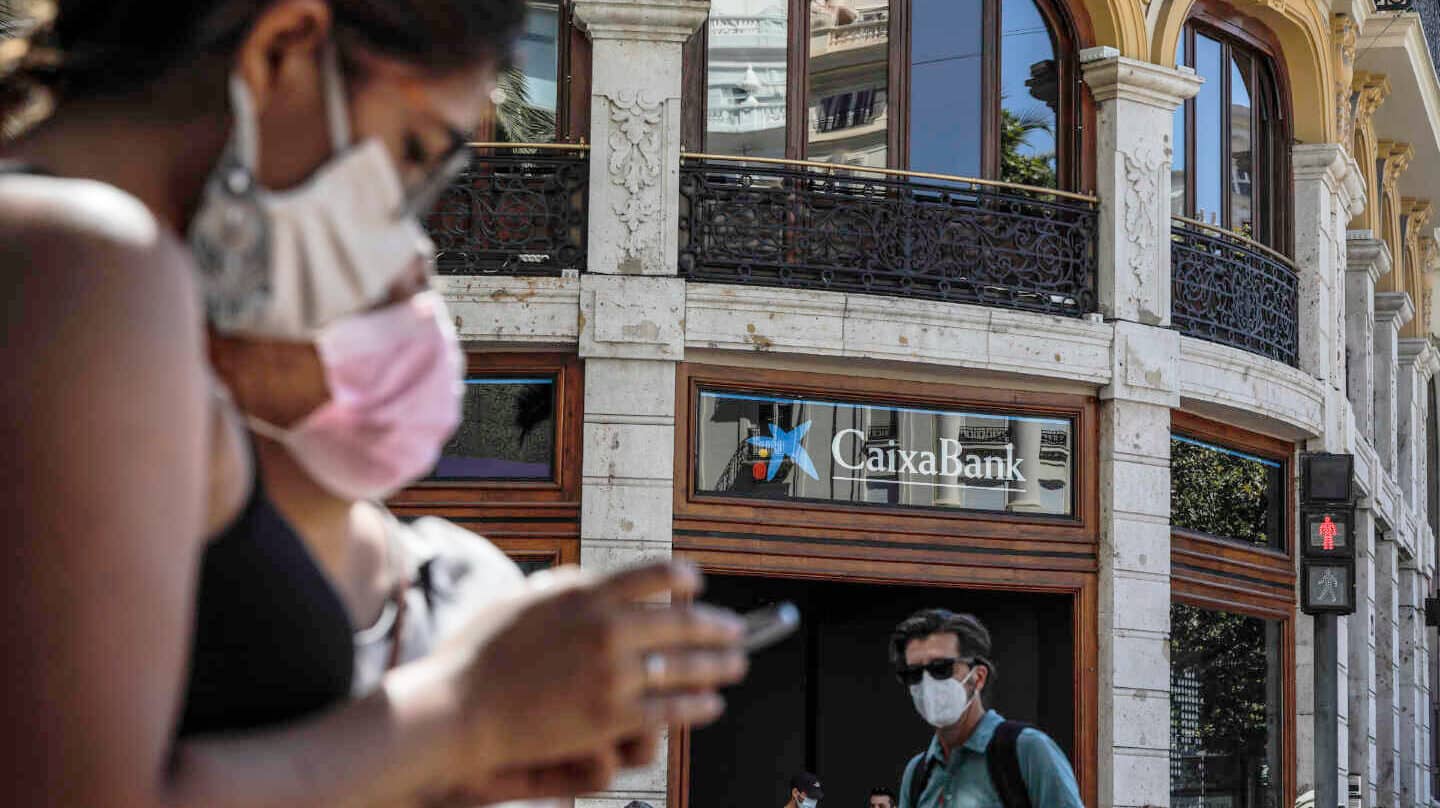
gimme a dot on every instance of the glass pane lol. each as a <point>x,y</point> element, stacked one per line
<point>1226,493</point>
<point>847,99</point>
<point>776,448</point>
<point>527,92</point>
<point>507,432</point>
<point>1225,709</point>
<point>1029,96</point>
<point>745,78</point>
<point>1242,161</point>
<point>945,98</point>
<point>1177,163</point>
<point>532,565</point>
<point>1209,131</point>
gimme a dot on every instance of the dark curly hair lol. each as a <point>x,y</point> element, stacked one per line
<point>973,636</point>
<point>73,49</point>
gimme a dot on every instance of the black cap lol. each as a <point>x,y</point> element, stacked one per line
<point>807,784</point>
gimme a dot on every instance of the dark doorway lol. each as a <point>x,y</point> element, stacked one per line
<point>826,701</point>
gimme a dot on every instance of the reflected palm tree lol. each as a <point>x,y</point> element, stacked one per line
<point>516,119</point>
<point>1018,167</point>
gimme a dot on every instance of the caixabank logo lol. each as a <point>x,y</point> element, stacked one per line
<point>849,452</point>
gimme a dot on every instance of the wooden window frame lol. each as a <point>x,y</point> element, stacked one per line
<point>1069,26</point>
<point>1227,576</point>
<point>1233,30</point>
<point>572,86</point>
<point>527,518</point>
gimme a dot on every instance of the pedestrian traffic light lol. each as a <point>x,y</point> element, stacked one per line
<point>1328,533</point>
<point>1327,586</point>
<point>1326,478</point>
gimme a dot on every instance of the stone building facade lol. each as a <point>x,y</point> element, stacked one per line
<point>1164,342</point>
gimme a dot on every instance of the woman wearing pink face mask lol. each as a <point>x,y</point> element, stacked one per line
<point>169,639</point>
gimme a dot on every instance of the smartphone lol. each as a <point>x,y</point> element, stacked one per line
<point>770,624</point>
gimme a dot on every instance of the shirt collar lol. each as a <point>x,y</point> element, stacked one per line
<point>978,741</point>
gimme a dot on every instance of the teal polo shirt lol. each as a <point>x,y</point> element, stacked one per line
<point>964,781</point>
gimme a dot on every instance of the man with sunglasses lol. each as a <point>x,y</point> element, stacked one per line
<point>977,759</point>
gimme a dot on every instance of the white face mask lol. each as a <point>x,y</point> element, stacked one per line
<point>281,264</point>
<point>809,802</point>
<point>941,702</point>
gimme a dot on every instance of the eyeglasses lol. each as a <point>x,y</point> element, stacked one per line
<point>938,668</point>
<point>421,197</point>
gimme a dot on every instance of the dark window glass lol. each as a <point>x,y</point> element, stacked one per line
<point>1225,709</point>
<point>945,86</point>
<point>507,432</point>
<point>770,447</point>
<point>849,74</point>
<point>1225,493</point>
<point>530,566</point>
<point>1209,130</point>
<point>1029,96</point>
<point>745,78</point>
<point>528,92</point>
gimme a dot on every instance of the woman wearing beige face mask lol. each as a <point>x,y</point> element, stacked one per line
<point>169,638</point>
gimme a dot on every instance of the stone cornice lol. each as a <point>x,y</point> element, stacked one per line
<point>1111,77</point>
<point>1367,254</point>
<point>643,20</point>
<point>1332,165</point>
<point>1421,355</point>
<point>1393,309</point>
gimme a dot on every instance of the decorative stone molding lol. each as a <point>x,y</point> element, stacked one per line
<point>632,317</point>
<point>1332,166</point>
<point>1146,365</point>
<point>1371,90</point>
<point>1393,309</point>
<point>1241,388</point>
<point>1343,32</point>
<point>1394,158</point>
<point>636,135</point>
<point>1421,355</point>
<point>1146,168</point>
<point>642,20</point>
<point>1113,77</point>
<point>512,309</point>
<point>1367,254</point>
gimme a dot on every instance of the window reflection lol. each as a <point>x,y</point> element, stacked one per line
<point>1225,493</point>
<point>1178,157</point>
<point>1241,161</point>
<point>527,92</point>
<point>1209,130</point>
<point>745,78</point>
<point>945,86</point>
<point>847,99</point>
<point>1225,709</point>
<point>1029,96</point>
<point>507,432</point>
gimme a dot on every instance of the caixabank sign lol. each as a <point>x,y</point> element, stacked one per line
<point>793,448</point>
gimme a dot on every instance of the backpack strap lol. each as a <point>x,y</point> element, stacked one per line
<point>1002,760</point>
<point>924,766</point>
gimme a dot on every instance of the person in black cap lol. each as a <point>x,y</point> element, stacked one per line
<point>804,791</point>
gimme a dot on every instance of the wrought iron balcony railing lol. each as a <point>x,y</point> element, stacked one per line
<point>1234,291</point>
<point>519,209</point>
<point>772,222</point>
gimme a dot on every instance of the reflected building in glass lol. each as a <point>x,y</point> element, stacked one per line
<point>745,93</point>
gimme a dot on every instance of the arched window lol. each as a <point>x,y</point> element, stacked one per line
<point>976,88</point>
<point>1231,161</point>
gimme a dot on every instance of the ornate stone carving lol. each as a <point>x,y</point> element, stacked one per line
<point>1344,32</point>
<point>635,166</point>
<point>1144,169</point>
<point>1371,89</point>
<point>1394,158</point>
<point>1417,214</point>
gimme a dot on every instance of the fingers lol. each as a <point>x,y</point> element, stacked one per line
<point>694,709</point>
<point>694,670</point>
<point>638,751</point>
<point>694,625</point>
<point>676,578</point>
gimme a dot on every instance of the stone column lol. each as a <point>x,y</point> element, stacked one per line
<point>1392,310</point>
<point>632,304</point>
<point>1136,104</point>
<point>1361,658</point>
<point>1387,671</point>
<point>1417,360</point>
<point>1413,751</point>
<point>1367,259</point>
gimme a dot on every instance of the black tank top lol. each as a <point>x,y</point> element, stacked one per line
<point>272,639</point>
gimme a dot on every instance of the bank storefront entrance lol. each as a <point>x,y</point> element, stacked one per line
<point>863,499</point>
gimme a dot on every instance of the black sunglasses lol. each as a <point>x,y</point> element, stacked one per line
<point>939,669</point>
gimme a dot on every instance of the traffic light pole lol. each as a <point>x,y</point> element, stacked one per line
<point>1327,715</point>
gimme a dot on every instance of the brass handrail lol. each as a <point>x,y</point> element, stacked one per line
<point>1246,240</point>
<point>891,172</point>
<point>544,146</point>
